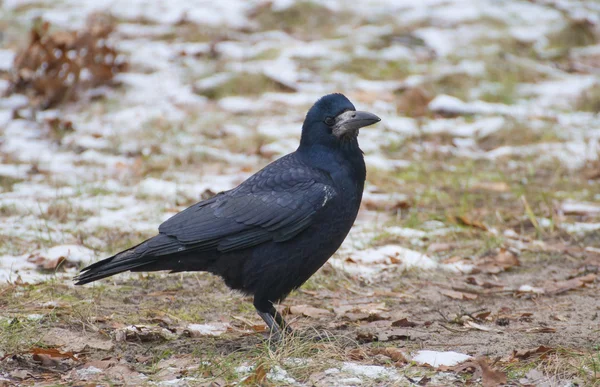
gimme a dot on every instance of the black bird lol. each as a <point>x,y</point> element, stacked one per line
<point>267,236</point>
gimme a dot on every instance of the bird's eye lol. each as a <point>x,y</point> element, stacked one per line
<point>329,121</point>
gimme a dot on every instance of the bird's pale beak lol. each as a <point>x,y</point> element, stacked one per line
<point>351,121</point>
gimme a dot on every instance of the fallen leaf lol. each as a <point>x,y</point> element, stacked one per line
<point>44,263</point>
<point>20,374</point>
<point>457,295</point>
<point>483,315</point>
<point>404,323</point>
<point>400,334</point>
<point>257,377</point>
<point>75,341</point>
<point>493,186</point>
<point>439,247</point>
<point>385,202</point>
<point>308,311</point>
<point>498,263</point>
<point>45,360</point>
<point>527,353</point>
<point>143,333</point>
<point>486,284</point>
<point>559,317</point>
<point>393,353</point>
<point>48,74</point>
<point>358,307</point>
<point>573,283</point>
<point>53,352</point>
<point>541,330</point>
<point>208,329</point>
<point>570,207</point>
<point>357,354</point>
<point>466,221</point>
<point>480,327</point>
<point>489,376</point>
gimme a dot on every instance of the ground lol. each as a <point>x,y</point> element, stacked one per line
<point>474,259</point>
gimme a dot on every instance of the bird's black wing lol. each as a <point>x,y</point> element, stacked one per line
<point>275,204</point>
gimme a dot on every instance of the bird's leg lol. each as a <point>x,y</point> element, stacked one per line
<point>280,321</point>
<point>275,322</point>
<point>272,324</point>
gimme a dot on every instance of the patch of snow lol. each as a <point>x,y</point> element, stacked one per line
<point>530,289</point>
<point>406,232</point>
<point>17,171</point>
<point>211,329</point>
<point>377,161</point>
<point>436,358</point>
<point>244,369</point>
<point>580,208</point>
<point>370,371</point>
<point>7,58</point>
<point>73,253</point>
<point>278,374</point>
<point>242,104</point>
<point>88,372</point>
<point>579,228</point>
<point>403,125</point>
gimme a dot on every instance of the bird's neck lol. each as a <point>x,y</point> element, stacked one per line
<point>345,156</point>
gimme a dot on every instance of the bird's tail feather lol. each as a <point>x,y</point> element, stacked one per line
<point>124,261</point>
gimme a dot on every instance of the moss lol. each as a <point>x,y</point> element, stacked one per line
<point>306,19</point>
<point>589,100</point>
<point>576,33</point>
<point>516,133</point>
<point>375,69</point>
<point>244,84</point>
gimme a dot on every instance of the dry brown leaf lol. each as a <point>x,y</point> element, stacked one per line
<point>75,342</point>
<point>404,323</point>
<point>493,186</point>
<point>559,317</point>
<point>393,353</point>
<point>44,263</point>
<point>483,315</point>
<point>118,373</point>
<point>308,311</point>
<point>498,263</point>
<point>541,330</point>
<point>457,295</point>
<point>386,203</point>
<point>573,283</point>
<point>414,101</point>
<point>480,327</point>
<point>21,374</point>
<point>53,352</point>
<point>143,333</point>
<point>357,354</point>
<point>527,353</point>
<point>489,376</point>
<point>257,378</point>
<point>360,307</point>
<point>50,69</point>
<point>466,221</point>
<point>399,334</point>
<point>46,360</point>
<point>486,284</point>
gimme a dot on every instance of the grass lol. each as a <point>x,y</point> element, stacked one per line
<point>243,84</point>
<point>441,184</point>
<point>305,19</point>
<point>367,68</point>
<point>589,100</point>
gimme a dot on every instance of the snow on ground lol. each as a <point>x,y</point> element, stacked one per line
<point>160,142</point>
<point>157,115</point>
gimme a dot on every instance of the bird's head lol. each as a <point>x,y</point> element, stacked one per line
<point>333,120</point>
